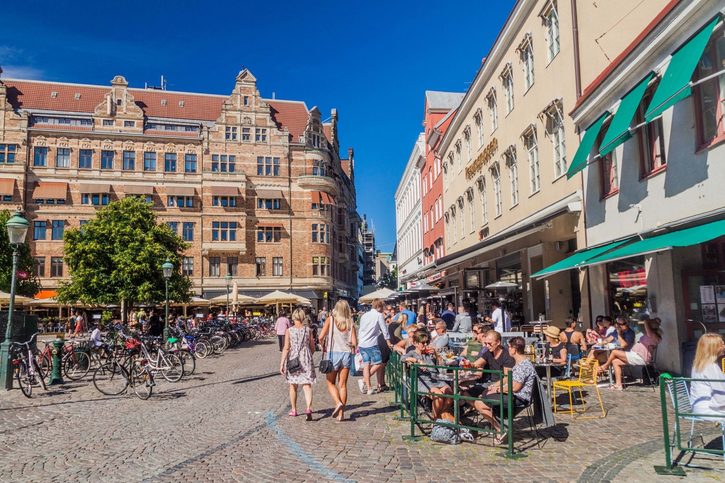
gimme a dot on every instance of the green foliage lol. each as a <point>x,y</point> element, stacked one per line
<point>28,287</point>
<point>389,280</point>
<point>106,317</point>
<point>118,256</point>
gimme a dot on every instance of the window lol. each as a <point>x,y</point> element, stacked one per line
<point>107,159</point>
<point>170,162</point>
<point>62,158</point>
<point>508,86</point>
<point>173,226</point>
<point>187,266</point>
<point>230,133</point>
<point>129,123</point>
<point>260,264</point>
<point>277,266</point>
<point>232,263</point>
<point>40,266</point>
<point>269,234</point>
<point>187,231</point>
<point>551,19</point>
<point>513,177</point>
<point>108,122</point>
<point>479,128</point>
<point>223,163</point>
<point>484,201</point>
<point>40,156</point>
<point>472,213</point>
<point>149,161</point>
<point>467,139</point>
<point>246,100</point>
<point>190,163</point>
<point>710,98</point>
<point>246,134</point>
<point>527,57</point>
<point>180,201</point>
<point>533,155</point>
<point>320,233</point>
<point>267,166</point>
<point>95,199</point>
<point>57,228</point>
<point>214,266</point>
<point>129,161</point>
<point>7,153</point>
<point>224,231</point>
<point>492,109</point>
<point>321,266</point>
<point>85,159</point>
<point>556,131</point>
<point>496,175</point>
<point>56,266</point>
<point>260,135</point>
<point>271,204</point>
<point>319,168</point>
<point>651,141</point>
<point>39,229</point>
<point>224,201</point>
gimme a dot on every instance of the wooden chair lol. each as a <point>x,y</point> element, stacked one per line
<point>587,378</point>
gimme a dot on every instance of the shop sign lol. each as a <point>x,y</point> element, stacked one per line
<point>482,159</point>
<point>22,275</point>
<point>436,276</point>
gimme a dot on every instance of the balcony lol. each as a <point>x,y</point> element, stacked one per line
<point>224,246</point>
<point>318,183</point>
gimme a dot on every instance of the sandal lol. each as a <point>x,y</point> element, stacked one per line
<point>292,413</point>
<point>501,439</point>
<point>309,415</point>
<point>616,388</point>
<point>337,410</point>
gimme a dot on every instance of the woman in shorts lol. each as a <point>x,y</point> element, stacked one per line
<point>339,336</point>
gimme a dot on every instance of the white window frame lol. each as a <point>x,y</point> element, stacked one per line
<point>507,79</point>
<point>528,59</point>
<point>479,127</point>
<point>551,18</point>
<point>513,177</point>
<point>492,109</point>
<point>558,142</point>
<point>532,151</point>
<point>496,175</point>
<point>484,203</point>
<point>472,214</point>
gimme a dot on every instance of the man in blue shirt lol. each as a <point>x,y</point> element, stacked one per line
<point>404,310</point>
<point>449,316</point>
<point>625,335</point>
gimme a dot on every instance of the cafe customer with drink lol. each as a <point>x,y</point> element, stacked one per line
<point>493,357</point>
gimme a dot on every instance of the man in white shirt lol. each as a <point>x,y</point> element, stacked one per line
<point>501,319</point>
<point>372,324</point>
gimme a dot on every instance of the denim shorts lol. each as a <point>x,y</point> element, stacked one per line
<point>341,360</point>
<point>371,355</point>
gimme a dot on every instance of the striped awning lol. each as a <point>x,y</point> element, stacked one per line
<point>49,190</point>
<point>7,187</point>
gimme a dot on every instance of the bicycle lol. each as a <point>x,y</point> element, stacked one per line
<point>113,378</point>
<point>27,370</point>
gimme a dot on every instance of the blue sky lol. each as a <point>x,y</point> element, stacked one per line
<point>371,60</point>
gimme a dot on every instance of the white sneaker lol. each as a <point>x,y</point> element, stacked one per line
<point>371,391</point>
<point>361,385</point>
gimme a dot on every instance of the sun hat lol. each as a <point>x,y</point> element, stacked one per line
<point>552,331</point>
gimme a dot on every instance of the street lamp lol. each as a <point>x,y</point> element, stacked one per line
<point>228,278</point>
<point>17,228</point>
<point>167,268</point>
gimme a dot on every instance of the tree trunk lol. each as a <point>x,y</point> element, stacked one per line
<point>123,311</point>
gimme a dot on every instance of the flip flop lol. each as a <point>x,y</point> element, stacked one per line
<point>292,413</point>
<point>337,410</point>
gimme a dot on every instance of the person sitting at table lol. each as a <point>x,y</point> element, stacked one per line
<point>600,351</point>
<point>493,358</point>
<point>573,340</point>
<point>406,343</point>
<point>440,342</point>
<point>555,348</point>
<point>593,335</point>
<point>474,346</point>
<point>632,354</point>
<point>523,375</point>
<point>708,395</point>
<point>422,354</point>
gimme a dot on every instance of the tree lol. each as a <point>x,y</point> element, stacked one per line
<point>117,256</point>
<point>29,286</point>
<point>389,280</point>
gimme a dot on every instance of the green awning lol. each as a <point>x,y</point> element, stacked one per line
<point>679,238</point>
<point>582,153</point>
<point>674,85</point>
<point>618,131</point>
<point>577,260</point>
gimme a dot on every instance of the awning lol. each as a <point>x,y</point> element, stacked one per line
<point>47,190</point>
<point>618,131</point>
<point>269,194</point>
<point>46,294</point>
<point>315,196</point>
<point>577,260</point>
<point>680,238</point>
<point>225,191</point>
<point>586,145</point>
<point>327,199</point>
<point>675,83</point>
<point>94,188</point>
<point>138,189</point>
<point>7,187</point>
<point>180,190</point>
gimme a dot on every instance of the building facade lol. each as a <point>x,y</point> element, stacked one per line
<point>369,250</point>
<point>255,186</point>
<point>408,220</point>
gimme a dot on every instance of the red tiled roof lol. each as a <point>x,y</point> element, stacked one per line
<point>327,129</point>
<point>290,114</point>
<point>180,134</point>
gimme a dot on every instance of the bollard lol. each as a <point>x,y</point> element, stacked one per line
<point>56,376</point>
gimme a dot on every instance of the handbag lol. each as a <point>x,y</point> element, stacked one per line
<point>326,365</point>
<point>444,434</point>
<point>294,365</point>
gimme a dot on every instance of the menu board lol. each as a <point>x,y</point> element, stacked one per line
<point>712,303</point>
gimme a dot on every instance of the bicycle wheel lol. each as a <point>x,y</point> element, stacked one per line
<point>111,378</point>
<point>201,349</point>
<point>24,380</point>
<point>38,376</point>
<point>171,367</point>
<point>76,365</point>
<point>188,360</point>
<point>46,365</point>
<point>142,381</point>
<point>217,344</point>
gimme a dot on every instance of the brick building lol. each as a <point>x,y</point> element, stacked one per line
<point>256,186</point>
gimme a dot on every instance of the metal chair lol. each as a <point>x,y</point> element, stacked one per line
<point>587,378</point>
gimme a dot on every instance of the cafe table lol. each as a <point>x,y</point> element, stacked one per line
<point>547,368</point>
<point>608,348</point>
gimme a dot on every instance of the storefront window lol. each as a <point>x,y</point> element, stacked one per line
<point>627,285</point>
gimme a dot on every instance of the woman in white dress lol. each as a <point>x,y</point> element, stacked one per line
<point>708,396</point>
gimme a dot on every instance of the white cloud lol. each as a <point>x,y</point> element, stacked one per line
<point>21,72</point>
<point>14,63</point>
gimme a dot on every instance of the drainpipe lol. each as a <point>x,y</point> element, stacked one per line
<point>575,38</point>
<point>289,210</point>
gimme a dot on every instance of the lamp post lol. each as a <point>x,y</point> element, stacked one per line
<point>167,268</point>
<point>17,228</point>
<point>228,279</point>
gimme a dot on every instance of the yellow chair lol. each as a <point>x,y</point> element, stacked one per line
<point>587,378</point>
<point>723,364</point>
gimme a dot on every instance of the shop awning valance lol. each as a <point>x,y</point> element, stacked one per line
<point>315,196</point>
<point>94,188</point>
<point>585,146</point>
<point>269,194</point>
<point>7,186</point>
<point>224,191</point>
<point>138,189</point>
<point>180,190</point>
<point>578,259</point>
<point>618,131</point>
<point>48,190</point>
<point>680,238</point>
<point>675,83</point>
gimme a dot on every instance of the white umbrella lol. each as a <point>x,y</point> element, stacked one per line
<point>241,300</point>
<point>19,299</point>
<point>194,301</point>
<point>303,301</point>
<point>279,297</point>
<point>381,293</point>
<point>501,284</point>
<point>49,302</point>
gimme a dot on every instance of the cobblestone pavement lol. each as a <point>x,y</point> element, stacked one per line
<point>229,423</point>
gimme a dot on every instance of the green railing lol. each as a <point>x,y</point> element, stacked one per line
<point>678,387</point>
<point>403,379</point>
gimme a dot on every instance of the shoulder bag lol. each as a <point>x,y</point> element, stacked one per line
<point>294,365</point>
<point>326,365</point>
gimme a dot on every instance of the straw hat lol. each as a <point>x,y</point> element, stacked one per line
<point>552,331</point>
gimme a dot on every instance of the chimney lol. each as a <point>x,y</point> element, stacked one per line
<point>333,114</point>
<point>350,154</point>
